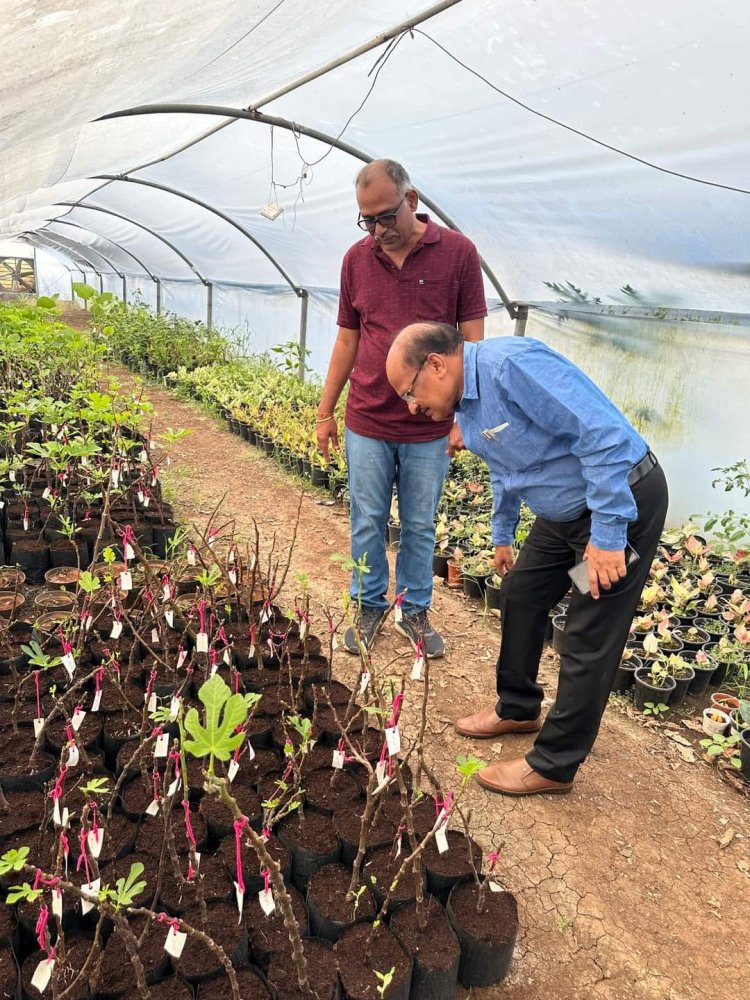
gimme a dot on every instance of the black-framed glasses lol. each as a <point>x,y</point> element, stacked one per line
<point>387,220</point>
<point>406,395</point>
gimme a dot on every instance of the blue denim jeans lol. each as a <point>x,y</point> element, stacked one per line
<point>418,470</point>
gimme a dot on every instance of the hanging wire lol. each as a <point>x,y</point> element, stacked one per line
<point>239,40</point>
<point>575,131</point>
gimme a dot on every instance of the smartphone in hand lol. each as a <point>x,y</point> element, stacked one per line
<point>579,574</point>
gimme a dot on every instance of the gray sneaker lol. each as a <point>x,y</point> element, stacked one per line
<point>369,622</point>
<point>418,626</point>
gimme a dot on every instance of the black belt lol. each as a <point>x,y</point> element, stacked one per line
<point>646,464</point>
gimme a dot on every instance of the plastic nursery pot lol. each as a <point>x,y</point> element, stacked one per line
<point>692,637</point>
<point>703,674</point>
<point>394,533</point>
<point>745,753</point>
<point>10,603</point>
<point>62,576</point>
<point>319,477</point>
<point>473,586</point>
<point>715,721</point>
<point>455,575</point>
<point>11,578</point>
<point>682,685</point>
<point>493,595</point>
<point>558,632</point>
<point>645,691</point>
<point>387,953</point>
<point>435,951</point>
<point>626,674</point>
<point>487,939</point>
<point>54,600</point>
<point>726,702</point>
<point>440,565</point>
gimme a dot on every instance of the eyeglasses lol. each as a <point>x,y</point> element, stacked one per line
<point>387,220</point>
<point>406,395</point>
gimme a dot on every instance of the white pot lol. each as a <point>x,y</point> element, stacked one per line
<point>710,726</point>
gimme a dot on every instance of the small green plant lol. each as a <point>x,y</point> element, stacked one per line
<point>224,713</point>
<point>38,658</point>
<point>718,747</point>
<point>13,861</point>
<point>358,893</point>
<point>657,709</point>
<point>384,980</point>
<point>468,766</point>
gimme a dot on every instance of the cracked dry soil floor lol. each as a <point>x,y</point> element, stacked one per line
<point>624,890</point>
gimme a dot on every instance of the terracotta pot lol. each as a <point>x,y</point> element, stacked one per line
<point>10,603</point>
<point>726,702</point>
<point>11,578</point>
<point>455,575</point>
<point>62,576</point>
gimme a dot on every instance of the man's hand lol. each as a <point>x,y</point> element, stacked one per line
<point>605,568</point>
<point>455,440</point>
<point>328,436</point>
<point>504,559</point>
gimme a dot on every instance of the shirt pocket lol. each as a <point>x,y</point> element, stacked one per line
<point>517,448</point>
<point>435,299</point>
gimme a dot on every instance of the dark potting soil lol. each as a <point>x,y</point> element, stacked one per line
<point>455,861</point>
<point>498,921</point>
<point>11,686</point>
<point>136,794</point>
<point>26,811</point>
<point>8,973</point>
<point>436,946</point>
<point>251,866</point>
<point>15,754</point>
<point>338,693</point>
<point>250,982</point>
<point>311,830</point>
<point>7,922</point>
<point>219,815</point>
<point>322,972</point>
<point>88,733</point>
<point>225,930</point>
<point>123,725</point>
<point>423,811</point>
<point>347,823</point>
<point>172,988</point>
<point>251,770</point>
<point>112,698</point>
<point>330,789</point>
<point>67,969</point>
<point>267,933</point>
<point>119,837</point>
<point>215,884</point>
<point>268,787</point>
<point>327,889</point>
<point>115,973</point>
<point>151,832</point>
<point>383,866</point>
<point>357,976</point>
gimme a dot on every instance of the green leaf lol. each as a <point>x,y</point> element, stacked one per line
<point>224,712</point>
<point>45,302</point>
<point>13,861</point>
<point>24,891</point>
<point>130,887</point>
<point>468,766</point>
<point>83,291</point>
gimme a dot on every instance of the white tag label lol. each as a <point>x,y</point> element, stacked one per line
<point>153,702</point>
<point>393,740</point>
<point>116,630</point>
<point>87,621</point>
<point>496,887</point>
<point>338,759</point>
<point>265,615</point>
<point>303,630</point>
<point>143,455</point>
<point>266,900</point>
<point>162,745</point>
<point>441,840</point>
<point>43,974</point>
<point>46,492</point>
<point>175,942</point>
<point>230,557</point>
<point>128,552</point>
<point>91,889</point>
<point>57,906</point>
<point>398,614</point>
<point>141,496</point>
<point>166,592</point>
<point>125,580</point>
<point>227,658</point>
<point>181,657</point>
<point>191,557</point>
<point>78,716</point>
<point>68,661</point>
<point>214,668</point>
<point>380,777</point>
<point>115,478</point>
<point>364,681</point>
<point>232,770</point>
<point>26,524</point>
<point>95,841</point>
<point>174,706</point>
<point>154,636</point>
<point>12,476</point>
<point>169,618</point>
<point>174,787</point>
<point>38,723</point>
<point>153,808</point>
<point>73,755</point>
<point>201,642</point>
<point>56,817</point>
<point>250,752</point>
<point>97,701</point>
<point>240,896</point>
<point>251,651</point>
<point>417,668</point>
<point>232,576</point>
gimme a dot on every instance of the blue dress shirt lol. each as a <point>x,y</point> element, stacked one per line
<point>550,437</point>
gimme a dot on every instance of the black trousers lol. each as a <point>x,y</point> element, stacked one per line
<point>595,631</point>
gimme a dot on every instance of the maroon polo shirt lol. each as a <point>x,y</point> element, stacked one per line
<point>440,280</point>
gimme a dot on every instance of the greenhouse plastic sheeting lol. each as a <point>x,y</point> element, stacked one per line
<point>667,83</point>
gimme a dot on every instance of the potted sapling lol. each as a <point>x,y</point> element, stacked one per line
<point>653,687</point>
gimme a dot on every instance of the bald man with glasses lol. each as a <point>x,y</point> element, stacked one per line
<point>407,269</point>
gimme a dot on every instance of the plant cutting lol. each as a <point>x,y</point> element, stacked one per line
<point>653,685</point>
<point>715,721</point>
<point>719,748</point>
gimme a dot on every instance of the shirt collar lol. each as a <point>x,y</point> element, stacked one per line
<point>430,235</point>
<point>471,390</point>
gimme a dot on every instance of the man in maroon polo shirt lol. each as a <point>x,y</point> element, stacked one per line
<point>407,269</point>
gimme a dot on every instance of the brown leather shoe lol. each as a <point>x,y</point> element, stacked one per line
<point>486,724</point>
<point>517,777</point>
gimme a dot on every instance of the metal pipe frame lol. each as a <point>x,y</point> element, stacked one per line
<point>345,147</point>
<point>65,241</point>
<point>66,222</point>
<point>44,236</point>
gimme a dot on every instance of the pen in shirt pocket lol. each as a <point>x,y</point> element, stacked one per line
<point>492,432</point>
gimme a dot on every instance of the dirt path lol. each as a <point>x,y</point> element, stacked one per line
<point>623,887</point>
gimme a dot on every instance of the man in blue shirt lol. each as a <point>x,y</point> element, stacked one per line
<point>552,438</point>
